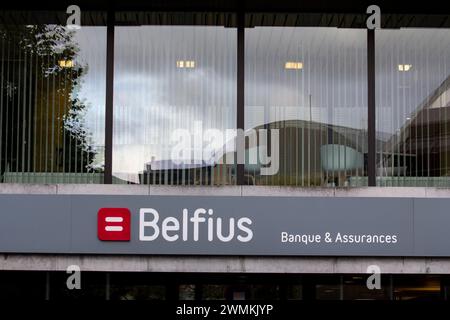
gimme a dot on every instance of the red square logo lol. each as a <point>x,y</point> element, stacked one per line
<point>113,224</point>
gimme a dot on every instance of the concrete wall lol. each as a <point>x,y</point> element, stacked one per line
<point>419,192</point>
<point>339,265</point>
<point>224,264</point>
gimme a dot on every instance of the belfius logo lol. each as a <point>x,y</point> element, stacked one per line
<point>201,224</point>
<point>113,224</point>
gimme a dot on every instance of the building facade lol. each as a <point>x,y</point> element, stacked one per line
<point>210,150</point>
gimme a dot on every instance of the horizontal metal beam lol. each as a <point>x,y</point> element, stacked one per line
<point>316,6</point>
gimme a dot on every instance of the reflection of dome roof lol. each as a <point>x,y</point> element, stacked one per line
<point>348,138</point>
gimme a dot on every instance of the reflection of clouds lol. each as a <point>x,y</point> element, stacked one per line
<point>401,94</point>
<point>152,97</point>
<point>332,85</point>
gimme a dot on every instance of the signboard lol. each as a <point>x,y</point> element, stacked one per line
<point>263,226</point>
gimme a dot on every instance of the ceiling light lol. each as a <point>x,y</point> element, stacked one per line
<point>404,67</point>
<point>66,63</point>
<point>293,65</point>
<point>185,64</point>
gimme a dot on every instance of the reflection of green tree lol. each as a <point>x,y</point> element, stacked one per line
<point>45,45</point>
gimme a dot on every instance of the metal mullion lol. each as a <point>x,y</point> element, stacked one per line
<point>310,128</point>
<point>303,156</point>
<point>58,127</point>
<point>7,106</point>
<point>422,125</point>
<point>170,172</point>
<point>24,103</point>
<point>371,122</point>
<point>393,125</point>
<point>46,119</point>
<point>18,148</point>
<point>240,123</point>
<point>109,106</point>
<point>18,109</point>
<point>153,68</point>
<point>298,108</point>
<point>53,120</point>
<point>30,120</point>
<point>12,107</point>
<point>397,111</point>
<point>64,129</point>
<point>337,91</point>
<point>428,116</point>
<point>35,144</point>
<point>1,105</point>
<point>326,123</point>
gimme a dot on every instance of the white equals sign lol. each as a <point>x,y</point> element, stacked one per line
<point>113,228</point>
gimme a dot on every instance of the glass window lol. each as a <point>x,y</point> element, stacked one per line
<point>355,288</point>
<point>52,101</point>
<point>412,107</point>
<point>328,287</point>
<point>308,87</point>
<point>294,292</point>
<point>93,286</point>
<point>22,285</point>
<point>214,292</point>
<point>417,287</point>
<point>265,291</point>
<point>174,100</point>
<point>137,286</point>
<point>186,292</point>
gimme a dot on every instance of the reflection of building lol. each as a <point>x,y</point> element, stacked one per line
<point>310,154</point>
<point>421,148</point>
<point>317,154</point>
<point>177,173</point>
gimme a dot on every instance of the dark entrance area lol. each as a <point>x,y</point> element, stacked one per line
<point>190,286</point>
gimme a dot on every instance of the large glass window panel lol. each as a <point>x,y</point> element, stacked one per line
<point>93,286</point>
<point>15,285</point>
<point>417,287</point>
<point>52,101</point>
<point>355,288</point>
<point>309,85</point>
<point>170,80</point>
<point>137,286</point>
<point>413,107</point>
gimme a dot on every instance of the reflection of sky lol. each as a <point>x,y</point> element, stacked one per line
<point>400,94</point>
<point>331,87</point>
<point>92,53</point>
<point>152,97</point>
